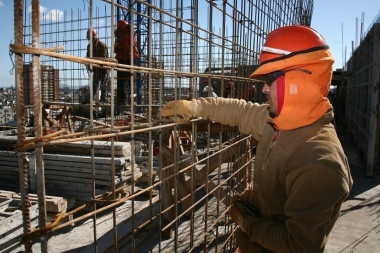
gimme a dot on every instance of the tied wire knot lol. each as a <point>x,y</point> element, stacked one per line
<point>11,71</point>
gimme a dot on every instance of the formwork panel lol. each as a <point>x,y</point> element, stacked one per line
<point>362,107</point>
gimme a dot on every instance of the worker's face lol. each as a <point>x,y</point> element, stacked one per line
<point>270,90</point>
<point>88,36</point>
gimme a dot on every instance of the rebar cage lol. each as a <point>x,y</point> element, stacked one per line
<point>118,177</point>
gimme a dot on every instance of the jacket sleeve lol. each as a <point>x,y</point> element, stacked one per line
<point>251,118</point>
<point>88,51</point>
<point>105,50</point>
<point>315,197</point>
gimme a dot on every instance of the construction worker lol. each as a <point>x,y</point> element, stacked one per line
<point>301,174</point>
<point>99,50</point>
<point>126,51</point>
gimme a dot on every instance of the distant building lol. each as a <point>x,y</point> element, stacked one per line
<point>7,114</point>
<point>49,84</point>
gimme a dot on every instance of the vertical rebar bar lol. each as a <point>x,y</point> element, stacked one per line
<point>20,105</point>
<point>160,146</point>
<point>132,108</point>
<point>37,108</point>
<point>151,173</point>
<point>91,99</point>
<point>115,235</point>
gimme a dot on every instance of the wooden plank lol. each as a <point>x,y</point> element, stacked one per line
<point>7,157</point>
<point>129,170</point>
<point>81,167</point>
<point>4,202</point>
<point>128,178</point>
<point>83,151</point>
<point>63,179</point>
<point>7,194</point>
<point>10,184</point>
<point>84,147</point>
<point>76,175</point>
<point>9,176</point>
<point>80,197</point>
<point>53,203</point>
<point>85,171</point>
<point>85,159</point>
<point>9,166</point>
<point>7,142</point>
<point>79,147</point>
<point>8,169</point>
<point>69,186</point>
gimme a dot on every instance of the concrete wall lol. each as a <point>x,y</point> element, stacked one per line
<point>362,99</point>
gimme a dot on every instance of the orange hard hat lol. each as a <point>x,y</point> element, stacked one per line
<point>289,39</point>
<point>121,23</point>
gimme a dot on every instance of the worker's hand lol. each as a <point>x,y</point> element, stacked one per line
<point>180,110</point>
<point>242,210</point>
<point>236,215</point>
<point>247,195</point>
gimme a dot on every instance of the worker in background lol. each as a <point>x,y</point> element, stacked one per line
<point>227,90</point>
<point>301,175</point>
<point>126,51</point>
<point>99,50</point>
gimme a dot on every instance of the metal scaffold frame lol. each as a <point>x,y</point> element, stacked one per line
<point>122,176</point>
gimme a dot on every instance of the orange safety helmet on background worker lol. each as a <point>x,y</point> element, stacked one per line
<point>301,174</point>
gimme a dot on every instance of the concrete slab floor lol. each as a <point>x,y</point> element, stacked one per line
<point>358,226</point>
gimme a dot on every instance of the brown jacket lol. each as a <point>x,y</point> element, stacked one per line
<point>300,180</point>
<point>99,49</point>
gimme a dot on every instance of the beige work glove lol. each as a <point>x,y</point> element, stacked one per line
<point>180,110</point>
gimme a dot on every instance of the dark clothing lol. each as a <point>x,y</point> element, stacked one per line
<point>124,42</point>
<point>100,50</point>
<point>123,89</point>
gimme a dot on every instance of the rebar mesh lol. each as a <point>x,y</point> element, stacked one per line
<point>135,181</point>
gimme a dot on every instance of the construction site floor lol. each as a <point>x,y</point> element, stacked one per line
<point>358,226</point>
<point>356,230</point>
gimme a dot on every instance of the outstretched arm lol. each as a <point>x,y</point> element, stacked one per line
<point>250,118</point>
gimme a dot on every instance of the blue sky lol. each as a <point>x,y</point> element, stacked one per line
<point>329,17</point>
